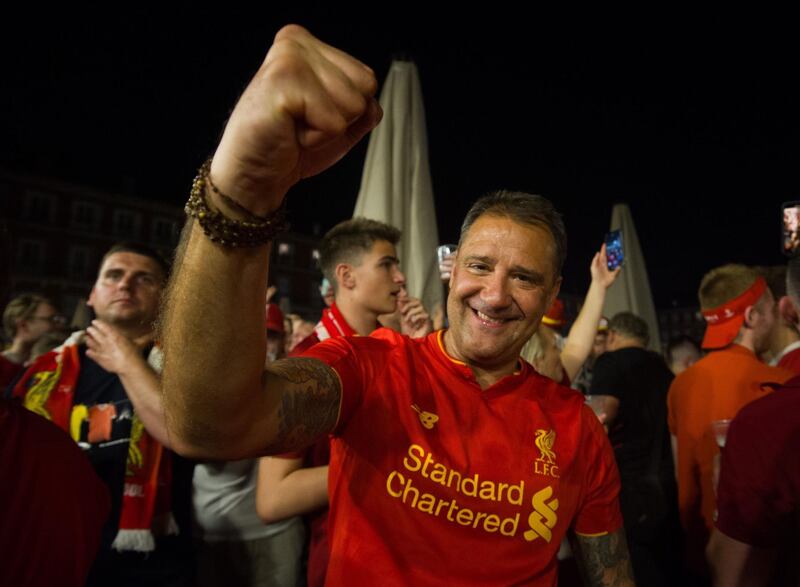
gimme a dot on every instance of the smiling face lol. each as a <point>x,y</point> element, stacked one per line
<point>502,284</point>
<point>127,291</point>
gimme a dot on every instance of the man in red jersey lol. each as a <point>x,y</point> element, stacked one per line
<point>452,460</point>
<point>359,259</point>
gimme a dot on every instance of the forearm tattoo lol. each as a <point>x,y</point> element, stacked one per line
<point>604,560</point>
<point>309,405</point>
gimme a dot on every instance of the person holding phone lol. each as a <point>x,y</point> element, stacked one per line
<point>562,361</point>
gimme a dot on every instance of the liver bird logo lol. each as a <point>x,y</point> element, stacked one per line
<point>544,442</point>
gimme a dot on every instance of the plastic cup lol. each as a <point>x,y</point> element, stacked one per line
<point>720,428</point>
<point>444,251</point>
<point>445,264</point>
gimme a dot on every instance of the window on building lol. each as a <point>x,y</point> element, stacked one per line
<point>285,253</point>
<point>314,292</point>
<point>284,286</point>
<point>79,262</point>
<point>85,215</point>
<point>164,231</point>
<point>126,224</point>
<point>30,256</point>
<point>38,206</point>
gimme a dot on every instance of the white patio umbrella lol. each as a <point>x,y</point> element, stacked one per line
<point>396,185</point>
<point>631,292</point>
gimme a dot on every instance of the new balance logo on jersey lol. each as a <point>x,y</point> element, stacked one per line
<point>427,418</point>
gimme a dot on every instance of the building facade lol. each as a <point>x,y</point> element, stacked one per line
<point>54,234</point>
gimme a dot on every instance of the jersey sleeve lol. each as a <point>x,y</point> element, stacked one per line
<point>353,367</point>
<point>605,380</point>
<point>599,512</point>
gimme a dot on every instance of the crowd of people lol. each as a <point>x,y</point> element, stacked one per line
<point>191,433</point>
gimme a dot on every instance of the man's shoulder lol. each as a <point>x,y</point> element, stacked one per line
<point>305,344</point>
<point>778,406</point>
<point>383,341</point>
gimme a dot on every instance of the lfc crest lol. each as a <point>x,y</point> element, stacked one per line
<point>546,463</point>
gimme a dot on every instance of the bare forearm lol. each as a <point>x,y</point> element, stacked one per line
<point>302,491</point>
<point>214,342</point>
<point>736,563</point>
<point>604,560</point>
<point>583,331</point>
<point>143,386</point>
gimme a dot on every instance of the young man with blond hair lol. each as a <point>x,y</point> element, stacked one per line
<point>740,313</point>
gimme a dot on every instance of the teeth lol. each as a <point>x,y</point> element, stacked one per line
<point>486,318</point>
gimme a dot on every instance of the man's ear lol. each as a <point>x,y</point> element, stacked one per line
<point>554,292</point>
<point>788,311</point>
<point>345,276</point>
<point>21,325</point>
<point>750,315</point>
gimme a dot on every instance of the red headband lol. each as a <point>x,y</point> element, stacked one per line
<point>725,321</point>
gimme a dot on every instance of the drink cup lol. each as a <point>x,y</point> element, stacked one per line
<point>720,428</point>
<point>444,253</point>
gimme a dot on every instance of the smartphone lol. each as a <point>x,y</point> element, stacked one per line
<point>614,253</point>
<point>790,228</point>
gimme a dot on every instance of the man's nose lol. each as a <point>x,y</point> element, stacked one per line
<point>399,277</point>
<point>126,282</point>
<point>495,291</point>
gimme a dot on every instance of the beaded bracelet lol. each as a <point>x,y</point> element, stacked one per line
<point>253,232</point>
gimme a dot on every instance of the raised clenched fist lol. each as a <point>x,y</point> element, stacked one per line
<point>307,105</point>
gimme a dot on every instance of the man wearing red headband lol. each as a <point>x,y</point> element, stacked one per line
<point>755,541</point>
<point>740,314</point>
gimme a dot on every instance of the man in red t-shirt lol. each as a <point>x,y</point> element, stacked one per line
<point>758,497</point>
<point>358,257</point>
<point>452,461</point>
<point>53,505</point>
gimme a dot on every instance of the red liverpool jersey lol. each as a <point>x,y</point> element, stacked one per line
<point>433,480</point>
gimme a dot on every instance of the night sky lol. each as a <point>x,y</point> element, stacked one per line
<point>697,130</point>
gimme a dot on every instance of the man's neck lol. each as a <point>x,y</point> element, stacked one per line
<point>628,343</point>
<point>488,377</point>
<point>19,349</point>
<point>783,337</point>
<point>140,335</point>
<point>746,339</point>
<point>362,321</point>
<point>485,376</point>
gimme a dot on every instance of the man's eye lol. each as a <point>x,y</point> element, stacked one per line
<point>478,266</point>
